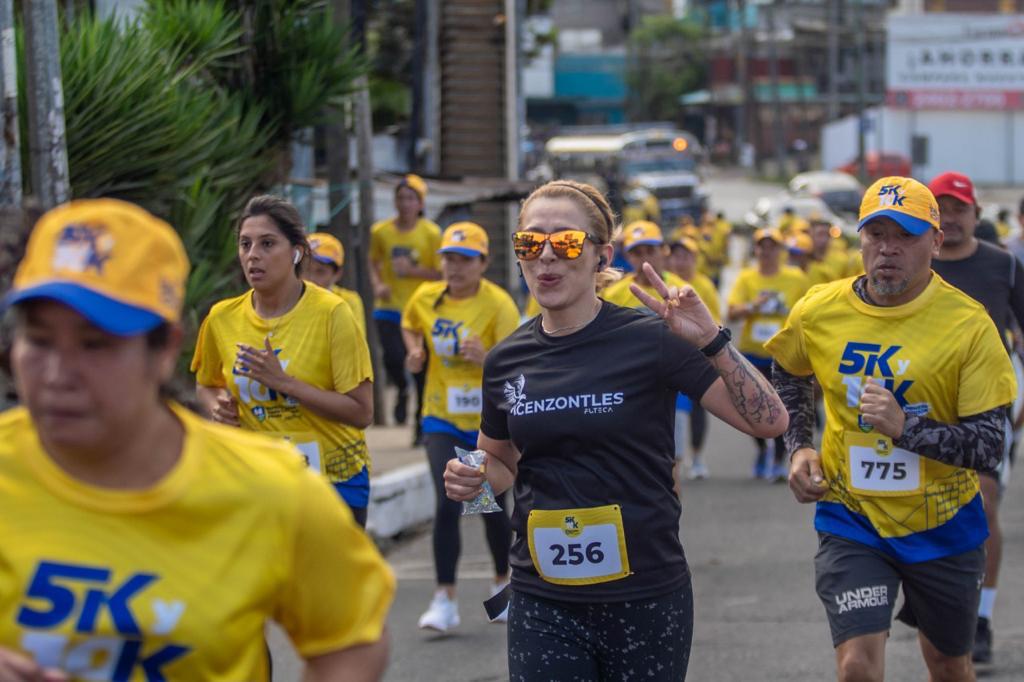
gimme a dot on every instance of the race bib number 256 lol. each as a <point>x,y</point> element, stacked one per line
<point>578,546</point>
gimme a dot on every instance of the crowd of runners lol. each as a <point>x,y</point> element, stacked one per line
<point>137,532</point>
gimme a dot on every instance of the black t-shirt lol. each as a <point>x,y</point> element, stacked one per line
<point>592,414</point>
<point>992,277</point>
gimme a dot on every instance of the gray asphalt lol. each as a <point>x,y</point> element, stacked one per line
<point>750,547</point>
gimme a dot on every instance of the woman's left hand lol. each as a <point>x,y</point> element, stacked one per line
<point>263,365</point>
<point>682,309</point>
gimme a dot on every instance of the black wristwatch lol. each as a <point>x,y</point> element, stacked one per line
<point>718,343</point>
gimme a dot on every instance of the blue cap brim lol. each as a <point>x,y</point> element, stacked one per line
<point>326,260</point>
<point>645,242</point>
<point>109,315</point>
<point>461,250</point>
<point>915,226</point>
<point>797,252</point>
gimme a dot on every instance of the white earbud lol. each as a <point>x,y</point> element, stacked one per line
<point>298,257</point>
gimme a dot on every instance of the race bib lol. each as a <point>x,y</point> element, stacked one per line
<point>578,546</point>
<point>309,448</point>
<point>762,331</point>
<point>465,400</point>
<point>879,468</point>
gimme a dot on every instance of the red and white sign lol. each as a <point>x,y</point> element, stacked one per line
<point>955,61</point>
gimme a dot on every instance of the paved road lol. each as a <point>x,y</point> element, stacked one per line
<point>757,617</point>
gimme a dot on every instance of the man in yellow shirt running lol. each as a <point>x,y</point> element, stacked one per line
<point>916,384</point>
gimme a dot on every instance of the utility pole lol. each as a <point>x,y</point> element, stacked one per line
<point>832,26</point>
<point>778,131</point>
<point>338,177</point>
<point>419,54</point>
<point>10,149</point>
<point>47,146</point>
<point>861,77</point>
<point>363,116</point>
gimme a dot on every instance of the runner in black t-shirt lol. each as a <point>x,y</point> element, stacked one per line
<point>995,279</point>
<point>578,416</point>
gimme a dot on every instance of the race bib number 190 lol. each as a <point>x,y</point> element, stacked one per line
<point>465,401</point>
<point>578,546</point>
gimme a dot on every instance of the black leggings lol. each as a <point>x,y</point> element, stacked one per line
<point>447,541</point>
<point>780,444</point>
<point>390,334</point>
<point>631,640</point>
<point>698,425</point>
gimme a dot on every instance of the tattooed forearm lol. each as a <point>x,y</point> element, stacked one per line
<point>977,442</point>
<point>750,392</point>
<point>797,394</point>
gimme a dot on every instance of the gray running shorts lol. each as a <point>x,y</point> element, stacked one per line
<point>857,585</point>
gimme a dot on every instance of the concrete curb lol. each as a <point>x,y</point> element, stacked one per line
<point>399,500</point>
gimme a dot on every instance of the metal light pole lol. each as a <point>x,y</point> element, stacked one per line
<point>10,151</point>
<point>47,146</point>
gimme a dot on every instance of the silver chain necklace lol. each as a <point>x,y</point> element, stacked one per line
<point>552,332</point>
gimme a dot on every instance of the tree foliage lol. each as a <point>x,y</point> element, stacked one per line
<point>667,60</point>
<point>190,110</point>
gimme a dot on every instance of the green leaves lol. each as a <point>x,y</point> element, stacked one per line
<point>190,110</point>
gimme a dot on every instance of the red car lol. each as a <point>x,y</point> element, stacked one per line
<point>880,165</point>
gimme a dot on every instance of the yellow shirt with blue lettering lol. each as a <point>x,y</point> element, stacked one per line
<point>942,358</point>
<point>177,581</point>
<point>355,304</point>
<point>420,244</point>
<point>317,342</point>
<point>783,289</point>
<point>452,394</point>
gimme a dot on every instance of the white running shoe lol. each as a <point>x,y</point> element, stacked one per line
<point>495,589</point>
<point>698,470</point>
<point>442,615</point>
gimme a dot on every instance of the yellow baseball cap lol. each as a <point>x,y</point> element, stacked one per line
<point>904,200</point>
<point>688,243</point>
<point>117,265</point>
<point>768,233</point>
<point>465,238</point>
<point>327,249</point>
<point>641,232</point>
<point>800,243</point>
<point>416,184</point>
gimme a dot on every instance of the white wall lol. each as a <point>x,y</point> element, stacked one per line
<point>988,146</point>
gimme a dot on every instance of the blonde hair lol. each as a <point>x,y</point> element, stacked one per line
<point>600,217</point>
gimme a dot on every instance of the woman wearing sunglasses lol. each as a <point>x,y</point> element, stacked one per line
<point>461,317</point>
<point>578,408</point>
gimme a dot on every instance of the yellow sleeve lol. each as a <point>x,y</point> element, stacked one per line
<point>378,249</point>
<point>206,361</point>
<point>411,317</point>
<point>987,379</point>
<point>738,295</point>
<point>431,258</point>
<point>506,320</point>
<point>339,588</point>
<point>350,356</point>
<point>358,312</point>
<point>619,294</point>
<point>787,346</point>
<point>709,294</point>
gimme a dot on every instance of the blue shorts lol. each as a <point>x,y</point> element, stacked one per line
<point>356,490</point>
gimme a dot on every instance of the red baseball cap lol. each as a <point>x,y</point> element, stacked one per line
<point>955,185</point>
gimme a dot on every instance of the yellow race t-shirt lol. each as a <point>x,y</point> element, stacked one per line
<point>317,342</point>
<point>451,397</point>
<point>420,244</point>
<point>705,288</point>
<point>783,290</point>
<point>177,581</point>
<point>620,294</point>
<point>942,358</point>
<point>355,304</point>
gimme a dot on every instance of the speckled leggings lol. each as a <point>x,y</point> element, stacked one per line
<point>634,640</point>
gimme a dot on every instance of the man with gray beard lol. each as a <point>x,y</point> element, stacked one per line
<point>916,383</point>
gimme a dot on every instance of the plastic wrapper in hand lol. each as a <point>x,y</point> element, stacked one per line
<point>484,503</point>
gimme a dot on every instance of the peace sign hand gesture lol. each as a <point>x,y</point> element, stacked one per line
<point>683,311</point>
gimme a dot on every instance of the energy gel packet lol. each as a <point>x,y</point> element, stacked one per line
<point>484,503</point>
